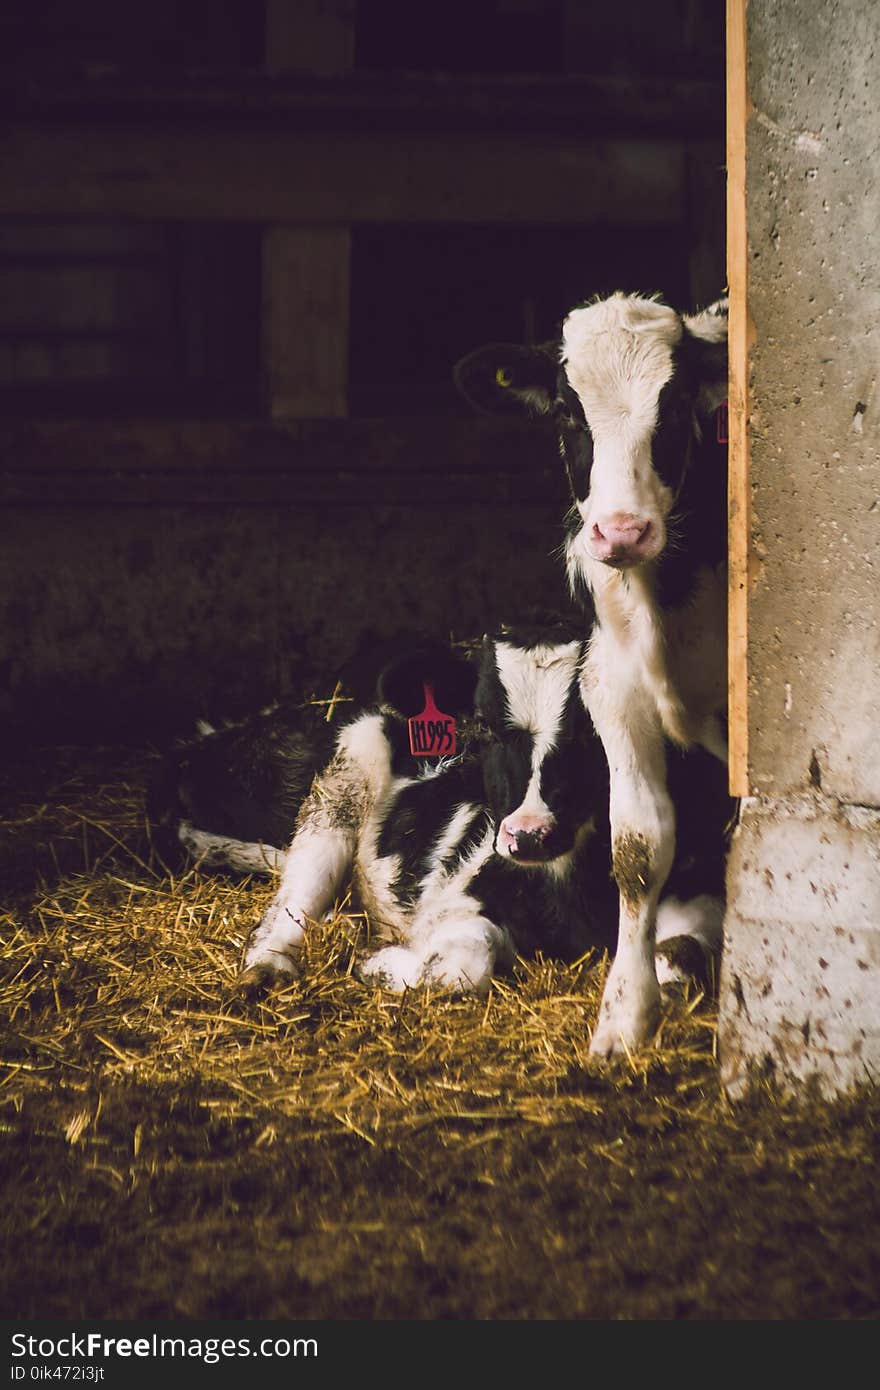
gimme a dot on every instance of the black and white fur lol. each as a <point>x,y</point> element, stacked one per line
<point>503,850</point>
<point>229,796</point>
<point>632,388</point>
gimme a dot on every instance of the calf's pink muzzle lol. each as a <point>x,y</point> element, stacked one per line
<point>623,539</point>
<point>523,837</point>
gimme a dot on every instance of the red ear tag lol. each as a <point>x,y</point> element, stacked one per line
<point>431,733</point>
<point>721,423</point>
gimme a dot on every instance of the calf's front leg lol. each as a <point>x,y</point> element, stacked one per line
<point>315,867</point>
<point>643,843</point>
<point>321,855</point>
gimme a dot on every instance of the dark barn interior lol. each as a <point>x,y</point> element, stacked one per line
<point>241,248</point>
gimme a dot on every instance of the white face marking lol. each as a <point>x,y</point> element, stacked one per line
<point>537,685</point>
<point>618,355</point>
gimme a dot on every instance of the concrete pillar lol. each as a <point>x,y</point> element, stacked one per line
<point>800,987</point>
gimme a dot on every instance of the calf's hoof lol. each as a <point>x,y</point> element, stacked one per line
<point>394,968</point>
<point>258,976</point>
<point>622,1028</point>
<point>683,962</point>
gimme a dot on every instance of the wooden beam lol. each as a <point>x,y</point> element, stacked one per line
<point>705,193</point>
<point>738,486</point>
<point>528,103</point>
<point>167,171</point>
<point>343,463</point>
<point>313,36</point>
<point>339,490</point>
<point>305,321</point>
<point>306,270</point>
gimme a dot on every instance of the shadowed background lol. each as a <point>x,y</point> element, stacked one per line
<point>240,252</point>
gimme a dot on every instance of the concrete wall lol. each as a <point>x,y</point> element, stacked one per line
<point>801,985</point>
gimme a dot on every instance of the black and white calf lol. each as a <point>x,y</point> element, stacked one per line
<point>229,797</point>
<point>633,388</point>
<point>504,849</point>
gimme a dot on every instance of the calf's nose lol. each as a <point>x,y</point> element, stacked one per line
<point>524,837</point>
<point>622,538</point>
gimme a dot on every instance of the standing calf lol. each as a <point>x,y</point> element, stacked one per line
<point>632,389</point>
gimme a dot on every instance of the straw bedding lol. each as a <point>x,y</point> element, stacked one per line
<point>174,1149</point>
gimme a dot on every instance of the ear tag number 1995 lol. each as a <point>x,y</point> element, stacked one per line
<point>431,733</point>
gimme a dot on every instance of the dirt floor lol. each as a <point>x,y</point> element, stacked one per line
<point>173,1150</point>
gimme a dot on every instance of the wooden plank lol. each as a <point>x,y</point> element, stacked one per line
<point>484,102</point>
<point>34,451</point>
<point>307,270</point>
<point>313,36</point>
<point>738,486</point>
<point>165,171</point>
<point>337,489</point>
<point>305,321</point>
<point>705,220</point>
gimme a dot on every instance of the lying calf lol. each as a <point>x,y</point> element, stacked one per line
<point>229,797</point>
<point>503,849</point>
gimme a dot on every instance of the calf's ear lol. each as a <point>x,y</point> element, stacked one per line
<point>707,363</point>
<point>508,379</point>
<point>704,346</point>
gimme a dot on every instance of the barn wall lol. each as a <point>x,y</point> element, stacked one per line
<point>154,573</point>
<point>236,270</point>
<point>802,961</point>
